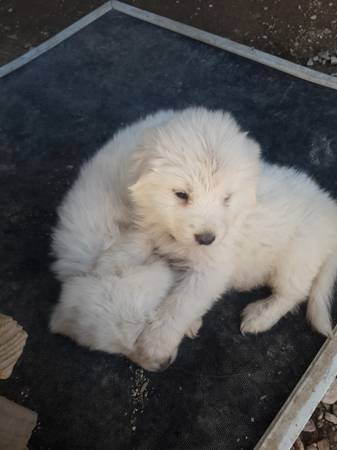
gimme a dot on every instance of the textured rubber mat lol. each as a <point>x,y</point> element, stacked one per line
<point>225,388</point>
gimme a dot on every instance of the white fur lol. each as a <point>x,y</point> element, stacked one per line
<point>121,226</point>
<point>106,309</point>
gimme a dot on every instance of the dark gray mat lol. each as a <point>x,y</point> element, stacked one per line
<point>224,388</point>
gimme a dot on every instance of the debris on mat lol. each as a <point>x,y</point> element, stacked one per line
<point>320,432</point>
<point>139,395</point>
<point>12,341</point>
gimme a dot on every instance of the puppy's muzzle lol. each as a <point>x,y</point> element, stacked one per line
<point>205,238</point>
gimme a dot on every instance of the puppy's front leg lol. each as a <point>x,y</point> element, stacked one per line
<point>157,346</point>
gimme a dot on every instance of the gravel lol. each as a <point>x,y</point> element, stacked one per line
<point>320,432</point>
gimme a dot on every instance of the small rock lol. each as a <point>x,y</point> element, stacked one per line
<point>323,445</point>
<point>311,447</point>
<point>333,60</point>
<point>315,58</point>
<point>326,406</point>
<point>324,55</point>
<point>333,437</point>
<point>12,36</point>
<point>310,62</point>
<point>330,418</point>
<point>331,396</point>
<point>320,423</point>
<point>310,426</point>
<point>321,413</point>
<point>298,445</point>
<point>142,389</point>
<point>10,10</point>
<point>314,17</point>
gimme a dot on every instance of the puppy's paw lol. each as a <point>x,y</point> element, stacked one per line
<point>156,347</point>
<point>257,317</point>
<point>193,331</point>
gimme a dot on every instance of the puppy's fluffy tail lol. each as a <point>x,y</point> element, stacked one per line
<point>318,309</point>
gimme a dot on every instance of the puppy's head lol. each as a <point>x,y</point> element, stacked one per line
<point>198,174</point>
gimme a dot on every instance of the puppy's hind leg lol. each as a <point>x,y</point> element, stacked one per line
<point>291,286</point>
<point>261,315</point>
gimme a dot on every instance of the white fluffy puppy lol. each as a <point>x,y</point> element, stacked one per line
<point>193,185</point>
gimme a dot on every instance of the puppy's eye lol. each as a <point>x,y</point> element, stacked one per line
<point>227,199</point>
<point>181,194</point>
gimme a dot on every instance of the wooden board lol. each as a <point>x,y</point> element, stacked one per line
<point>16,425</point>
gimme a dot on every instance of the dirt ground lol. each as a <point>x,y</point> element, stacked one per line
<point>27,23</point>
<point>304,31</point>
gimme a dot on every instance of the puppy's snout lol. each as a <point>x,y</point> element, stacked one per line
<point>205,238</point>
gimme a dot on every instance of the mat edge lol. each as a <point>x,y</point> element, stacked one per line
<point>55,40</point>
<point>226,44</point>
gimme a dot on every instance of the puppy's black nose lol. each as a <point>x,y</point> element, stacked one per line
<point>205,238</point>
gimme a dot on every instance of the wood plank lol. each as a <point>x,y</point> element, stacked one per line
<point>16,425</point>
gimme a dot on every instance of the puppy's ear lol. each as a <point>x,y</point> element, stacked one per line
<point>253,150</point>
<point>142,165</point>
<point>142,160</point>
<point>142,190</point>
